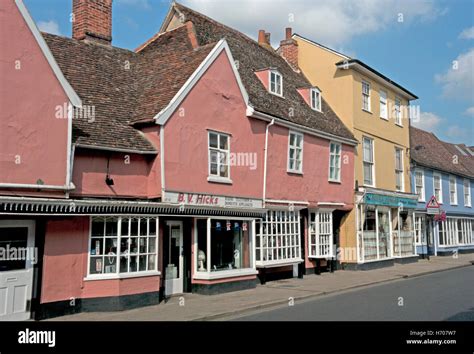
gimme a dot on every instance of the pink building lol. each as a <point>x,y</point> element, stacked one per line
<point>196,163</point>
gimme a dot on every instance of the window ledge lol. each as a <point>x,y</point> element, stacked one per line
<point>399,125</point>
<point>121,276</point>
<point>294,172</point>
<point>278,263</point>
<point>334,181</point>
<point>219,180</point>
<point>221,274</point>
<point>386,119</point>
<point>367,111</point>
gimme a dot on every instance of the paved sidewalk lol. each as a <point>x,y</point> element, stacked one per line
<point>201,307</point>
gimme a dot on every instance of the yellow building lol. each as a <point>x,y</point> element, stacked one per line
<point>379,230</point>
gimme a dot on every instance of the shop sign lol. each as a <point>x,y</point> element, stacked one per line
<point>388,200</point>
<point>212,200</point>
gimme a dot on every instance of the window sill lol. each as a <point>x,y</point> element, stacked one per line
<point>399,125</point>
<point>366,111</point>
<point>121,276</point>
<point>278,263</point>
<point>386,119</point>
<point>213,179</point>
<point>294,172</point>
<point>334,181</point>
<point>221,274</point>
<point>369,185</point>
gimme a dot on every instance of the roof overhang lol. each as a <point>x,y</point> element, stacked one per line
<point>376,76</point>
<point>251,112</point>
<point>114,149</point>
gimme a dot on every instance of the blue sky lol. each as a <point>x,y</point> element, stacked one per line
<point>426,46</point>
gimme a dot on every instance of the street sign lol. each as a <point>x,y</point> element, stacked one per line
<point>432,207</point>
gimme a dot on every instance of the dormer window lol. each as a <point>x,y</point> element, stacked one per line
<point>276,83</point>
<point>315,99</point>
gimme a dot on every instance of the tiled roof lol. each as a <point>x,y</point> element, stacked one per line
<point>124,87</point>
<point>104,78</point>
<point>428,150</point>
<point>252,57</point>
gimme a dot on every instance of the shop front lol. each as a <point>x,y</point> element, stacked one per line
<point>385,227</point>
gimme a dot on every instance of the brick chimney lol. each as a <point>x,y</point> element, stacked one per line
<point>92,21</point>
<point>289,49</point>
<point>264,39</point>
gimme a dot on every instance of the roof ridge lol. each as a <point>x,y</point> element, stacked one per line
<point>156,36</point>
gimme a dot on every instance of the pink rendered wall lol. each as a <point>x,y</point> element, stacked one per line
<point>137,178</point>
<point>215,103</point>
<point>29,95</point>
<point>312,185</point>
<point>263,76</point>
<point>65,266</point>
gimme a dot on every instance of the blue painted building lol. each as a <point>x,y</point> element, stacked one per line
<point>445,171</point>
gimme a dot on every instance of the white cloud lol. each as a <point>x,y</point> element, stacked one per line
<point>456,132</point>
<point>427,121</point>
<point>458,81</point>
<point>468,33</point>
<point>49,27</point>
<point>469,112</point>
<point>331,22</point>
<point>144,4</point>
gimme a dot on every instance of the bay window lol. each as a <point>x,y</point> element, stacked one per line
<point>335,162</point>
<point>295,152</point>
<point>438,187</point>
<point>123,245</point>
<point>453,194</point>
<point>278,238</point>
<point>223,246</point>
<point>219,161</point>
<point>368,157</point>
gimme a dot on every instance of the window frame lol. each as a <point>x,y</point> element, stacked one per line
<point>339,160</point>
<point>383,96</point>
<point>117,274</point>
<point>468,189</point>
<point>398,111</point>
<point>437,174</point>
<point>320,219</point>
<point>212,177</point>
<point>455,190</point>
<point>369,108</point>
<point>276,74</point>
<point>400,171</point>
<point>372,163</point>
<point>293,170</point>
<point>317,92</point>
<point>421,198</point>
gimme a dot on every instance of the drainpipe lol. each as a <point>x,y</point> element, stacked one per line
<point>265,162</point>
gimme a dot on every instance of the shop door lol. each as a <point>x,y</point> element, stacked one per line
<point>17,257</point>
<point>174,259</point>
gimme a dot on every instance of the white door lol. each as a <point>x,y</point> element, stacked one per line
<point>174,259</point>
<point>17,257</point>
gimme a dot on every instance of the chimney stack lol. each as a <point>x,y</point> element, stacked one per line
<point>92,21</point>
<point>289,49</point>
<point>264,39</point>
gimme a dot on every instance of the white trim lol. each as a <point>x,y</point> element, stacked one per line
<point>163,116</point>
<point>71,94</point>
<point>455,189</point>
<point>386,104</point>
<point>94,277</point>
<point>251,112</point>
<point>437,174</point>
<point>322,47</point>
<point>69,153</point>
<point>400,123</point>
<point>162,160</point>
<point>37,186</point>
<point>294,170</point>
<point>402,162</point>
<point>372,164</point>
<point>318,91</point>
<point>113,149</point>
<point>279,263</point>
<point>218,178</point>
<point>369,99</point>
<point>423,195</point>
<point>331,204</point>
<point>469,204</point>
<point>279,201</point>
<point>264,194</point>
<point>336,180</point>
<point>368,73</point>
<point>222,274</point>
<point>276,73</point>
